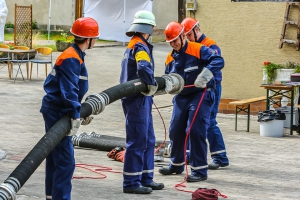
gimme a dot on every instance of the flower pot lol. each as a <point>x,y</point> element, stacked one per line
<point>61,45</point>
<point>283,75</point>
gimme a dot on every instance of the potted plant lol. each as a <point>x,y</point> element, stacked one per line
<point>279,72</point>
<point>270,72</point>
<point>63,41</point>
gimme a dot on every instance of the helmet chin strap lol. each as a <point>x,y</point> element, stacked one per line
<point>181,42</point>
<point>195,36</point>
<point>90,43</point>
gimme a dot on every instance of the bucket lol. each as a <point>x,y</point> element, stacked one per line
<point>271,123</point>
<point>287,111</point>
<point>272,128</point>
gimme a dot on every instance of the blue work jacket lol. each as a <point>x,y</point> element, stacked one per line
<point>213,45</point>
<point>190,61</point>
<point>67,83</point>
<point>138,61</point>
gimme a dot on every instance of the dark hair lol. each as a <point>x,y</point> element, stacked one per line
<point>79,40</point>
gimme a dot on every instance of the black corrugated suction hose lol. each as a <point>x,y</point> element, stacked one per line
<point>103,142</point>
<point>94,104</point>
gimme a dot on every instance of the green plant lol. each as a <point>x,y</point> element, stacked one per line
<point>9,25</point>
<point>292,65</point>
<point>34,25</point>
<point>64,37</point>
<point>271,71</point>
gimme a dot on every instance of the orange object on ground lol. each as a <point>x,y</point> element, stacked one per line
<point>117,154</point>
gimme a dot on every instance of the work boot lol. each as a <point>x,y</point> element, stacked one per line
<point>192,178</point>
<point>155,186</point>
<point>214,165</point>
<point>138,190</point>
<point>167,171</point>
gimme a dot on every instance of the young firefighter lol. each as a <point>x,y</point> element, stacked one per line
<point>196,64</point>
<point>65,87</point>
<point>214,135</point>
<point>140,139</point>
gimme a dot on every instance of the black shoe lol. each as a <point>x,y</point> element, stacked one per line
<point>216,165</point>
<point>138,190</point>
<point>167,171</point>
<point>155,186</point>
<point>192,178</point>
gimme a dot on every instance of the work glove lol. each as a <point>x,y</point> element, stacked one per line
<point>87,120</point>
<point>151,90</point>
<point>75,124</point>
<point>203,78</point>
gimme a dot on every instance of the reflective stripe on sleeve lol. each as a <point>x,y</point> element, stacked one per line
<point>142,55</point>
<point>83,77</point>
<point>190,68</point>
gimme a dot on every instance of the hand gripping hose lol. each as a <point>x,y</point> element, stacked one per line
<point>94,104</point>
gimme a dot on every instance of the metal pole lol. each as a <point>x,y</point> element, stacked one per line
<point>49,20</point>
<point>124,15</point>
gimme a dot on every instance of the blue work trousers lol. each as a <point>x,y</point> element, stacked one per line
<point>214,135</point>
<point>140,141</point>
<point>184,107</point>
<point>60,163</point>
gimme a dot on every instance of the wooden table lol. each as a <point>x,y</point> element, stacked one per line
<point>280,89</point>
<point>18,60</point>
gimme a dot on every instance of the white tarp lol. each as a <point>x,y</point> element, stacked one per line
<point>3,15</point>
<point>115,16</point>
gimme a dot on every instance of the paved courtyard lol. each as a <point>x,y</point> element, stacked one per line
<point>260,167</point>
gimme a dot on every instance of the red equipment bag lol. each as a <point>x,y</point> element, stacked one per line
<point>207,194</point>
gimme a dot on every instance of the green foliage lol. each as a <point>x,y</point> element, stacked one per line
<point>34,25</point>
<point>271,71</point>
<point>292,65</point>
<point>9,25</point>
<point>64,37</point>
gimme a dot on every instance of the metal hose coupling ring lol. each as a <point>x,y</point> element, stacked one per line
<point>174,83</point>
<point>97,102</point>
<point>7,192</point>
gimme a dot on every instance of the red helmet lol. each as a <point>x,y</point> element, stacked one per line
<point>189,23</point>
<point>85,27</point>
<point>173,30</point>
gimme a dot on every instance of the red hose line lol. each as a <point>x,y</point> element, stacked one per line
<point>181,184</point>
<point>95,169</point>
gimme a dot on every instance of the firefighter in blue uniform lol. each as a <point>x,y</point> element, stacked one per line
<point>140,139</point>
<point>196,64</point>
<point>214,135</point>
<point>65,87</point>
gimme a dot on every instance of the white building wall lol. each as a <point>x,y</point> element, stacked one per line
<point>62,11</point>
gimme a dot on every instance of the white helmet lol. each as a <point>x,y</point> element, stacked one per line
<point>143,22</point>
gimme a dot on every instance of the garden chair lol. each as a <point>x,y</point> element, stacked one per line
<point>43,56</point>
<point>5,59</point>
<point>21,58</point>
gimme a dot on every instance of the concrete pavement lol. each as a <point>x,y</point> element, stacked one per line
<point>260,167</point>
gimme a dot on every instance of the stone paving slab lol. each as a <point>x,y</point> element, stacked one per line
<point>260,167</point>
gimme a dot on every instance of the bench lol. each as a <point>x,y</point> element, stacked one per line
<point>244,106</point>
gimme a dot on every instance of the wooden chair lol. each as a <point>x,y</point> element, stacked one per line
<point>6,59</point>
<point>18,60</point>
<point>43,56</point>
